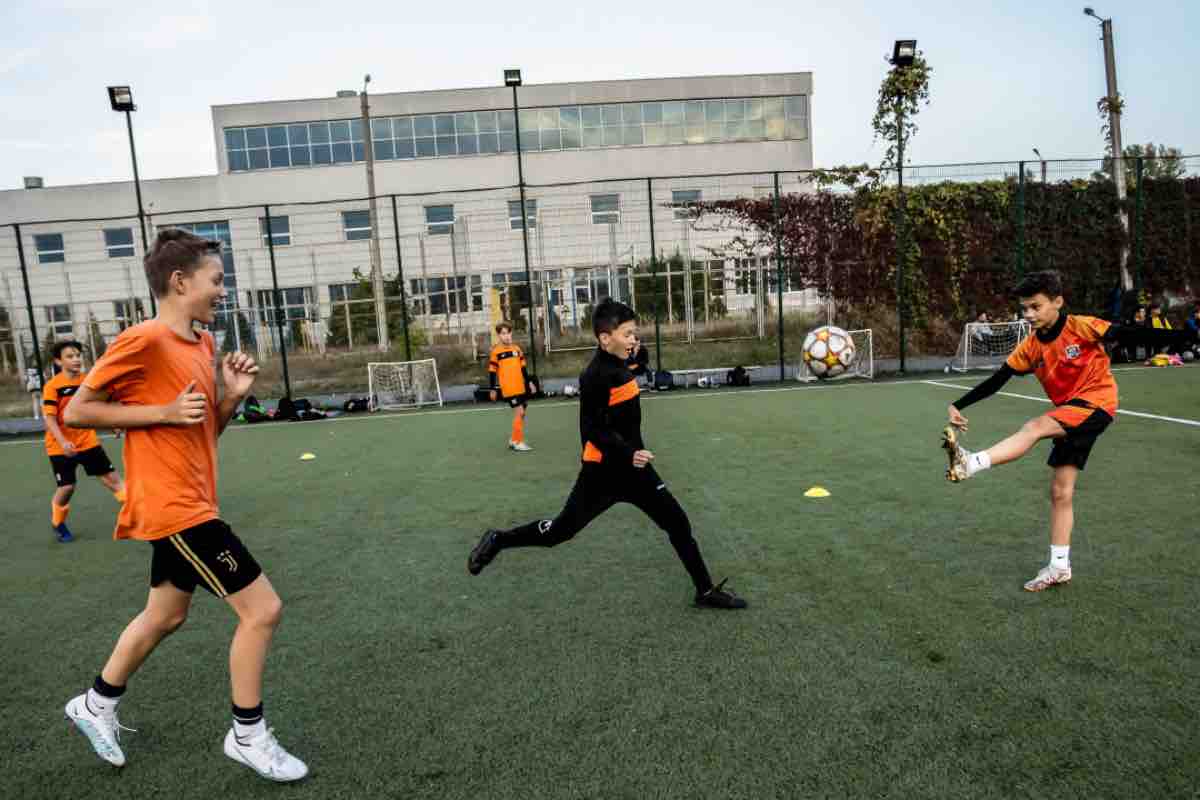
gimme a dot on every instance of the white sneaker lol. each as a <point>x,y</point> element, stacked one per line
<point>264,755</point>
<point>103,730</point>
<point>520,447</point>
<point>1048,576</point>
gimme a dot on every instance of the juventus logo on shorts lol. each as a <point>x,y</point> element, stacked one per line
<point>544,525</point>
<point>228,560</point>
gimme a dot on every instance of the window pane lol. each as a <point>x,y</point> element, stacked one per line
<point>655,134</point>
<point>775,129</point>
<point>256,137</point>
<point>683,196</point>
<point>551,140</point>
<point>277,136</point>
<point>425,147</point>
<point>423,126</point>
<point>444,125</point>
<point>297,135</point>
<point>381,129</point>
<point>51,258</point>
<point>795,129</point>
<point>795,106</point>
<point>343,153</point>
<point>115,237</point>
<point>529,140</point>
<point>633,134</point>
<point>235,139</point>
<point>529,120</point>
<point>508,142</point>
<point>402,127</point>
<point>695,134</point>
<point>356,219</point>
<point>258,159</point>
<point>384,150</point>
<point>604,202</point>
<point>238,160</point>
<point>754,109</point>
<point>485,121</point>
<point>435,214</point>
<point>468,144</point>
<point>488,143</point>
<point>772,108</point>
<point>505,119</point>
<point>735,131</point>
<point>694,111</point>
<point>631,113</point>
<point>570,139</point>
<point>590,115</point>
<point>735,110</point>
<point>674,134</point>
<point>360,151</point>
<point>321,154</point>
<point>280,157</point>
<point>673,113</point>
<point>714,111</point>
<point>405,149</point>
<point>48,241</point>
<point>339,131</point>
<point>446,146</point>
<point>611,115</point>
<point>548,119</point>
<point>568,117</point>
<point>318,132</point>
<point>592,137</point>
<point>464,123</point>
<point>714,131</point>
<point>612,136</point>
<point>755,129</point>
<point>356,130</point>
<point>652,112</point>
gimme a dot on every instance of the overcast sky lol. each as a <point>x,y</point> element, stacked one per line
<point>1008,76</point>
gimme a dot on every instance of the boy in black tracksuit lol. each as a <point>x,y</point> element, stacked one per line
<point>616,464</point>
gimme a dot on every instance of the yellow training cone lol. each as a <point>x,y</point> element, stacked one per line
<point>817,491</point>
<point>307,457</point>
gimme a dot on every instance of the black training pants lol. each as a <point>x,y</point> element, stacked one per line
<point>596,490</point>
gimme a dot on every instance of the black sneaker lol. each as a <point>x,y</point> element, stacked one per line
<point>719,597</point>
<point>484,552</point>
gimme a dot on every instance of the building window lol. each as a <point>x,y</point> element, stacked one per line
<point>218,231</point>
<point>49,248</point>
<point>59,319</point>
<point>128,312</point>
<point>439,220</point>
<point>356,224</point>
<point>684,202</point>
<point>342,292</point>
<point>119,242</point>
<point>281,230</point>
<point>514,214</point>
<point>745,278</point>
<point>606,209</point>
<point>294,304</point>
<point>542,129</point>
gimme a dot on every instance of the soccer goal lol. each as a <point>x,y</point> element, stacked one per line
<point>985,345</point>
<point>863,365</point>
<point>403,384</point>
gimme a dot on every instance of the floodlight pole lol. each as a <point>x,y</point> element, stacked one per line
<point>514,82</point>
<point>137,188</point>
<point>1114,127</point>
<point>900,225</point>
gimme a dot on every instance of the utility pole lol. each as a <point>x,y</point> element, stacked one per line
<point>1038,153</point>
<point>376,260</point>
<point>1114,127</point>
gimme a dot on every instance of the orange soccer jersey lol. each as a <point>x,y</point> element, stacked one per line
<point>56,394</point>
<point>508,362</point>
<point>170,470</point>
<point>1072,366</point>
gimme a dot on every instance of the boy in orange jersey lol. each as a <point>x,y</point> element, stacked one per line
<point>157,382</point>
<point>1066,353</point>
<point>510,381</point>
<point>69,447</point>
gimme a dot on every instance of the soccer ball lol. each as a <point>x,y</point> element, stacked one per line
<point>828,351</point>
<point>704,382</point>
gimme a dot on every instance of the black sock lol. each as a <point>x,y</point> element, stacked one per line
<point>105,689</point>
<point>244,718</point>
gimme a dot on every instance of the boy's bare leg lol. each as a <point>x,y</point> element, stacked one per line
<point>1062,507</point>
<point>1020,443</point>
<point>112,481</point>
<point>166,609</point>
<point>63,495</point>
<point>259,610</point>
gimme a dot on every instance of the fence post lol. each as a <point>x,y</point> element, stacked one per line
<point>654,275</point>
<point>779,275</point>
<point>1138,224</point>
<point>400,279</point>
<point>1020,218</point>
<point>277,301</point>
<point>37,344</point>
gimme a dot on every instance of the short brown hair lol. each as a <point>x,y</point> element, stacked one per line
<point>176,250</point>
<point>1047,282</point>
<point>503,325</point>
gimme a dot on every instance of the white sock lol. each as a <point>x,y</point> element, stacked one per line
<point>101,704</point>
<point>977,462</point>
<point>1060,556</point>
<point>245,732</point>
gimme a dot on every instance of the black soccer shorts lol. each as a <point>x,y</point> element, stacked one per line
<point>93,460</point>
<point>518,400</point>
<point>1076,446</point>
<point>208,555</point>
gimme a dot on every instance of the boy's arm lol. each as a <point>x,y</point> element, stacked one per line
<point>238,371</point>
<point>56,432</point>
<point>92,409</point>
<point>986,389</point>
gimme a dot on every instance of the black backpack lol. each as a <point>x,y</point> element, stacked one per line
<point>664,381</point>
<point>355,404</point>
<point>738,376</point>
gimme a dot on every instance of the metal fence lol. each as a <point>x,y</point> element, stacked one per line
<point>705,286</point>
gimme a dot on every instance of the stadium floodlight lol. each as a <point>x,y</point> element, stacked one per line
<point>904,52</point>
<point>121,98</point>
<point>512,77</point>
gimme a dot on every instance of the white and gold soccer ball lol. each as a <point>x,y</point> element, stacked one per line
<point>828,351</point>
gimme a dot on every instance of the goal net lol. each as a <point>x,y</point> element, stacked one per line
<point>985,345</point>
<point>863,365</point>
<point>403,384</point>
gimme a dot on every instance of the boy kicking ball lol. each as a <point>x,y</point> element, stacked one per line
<point>1066,353</point>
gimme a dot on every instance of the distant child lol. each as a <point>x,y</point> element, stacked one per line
<point>506,367</point>
<point>69,447</point>
<point>616,464</point>
<point>157,381</point>
<point>1066,353</point>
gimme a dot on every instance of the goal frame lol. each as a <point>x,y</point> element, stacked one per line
<point>967,358</point>
<point>419,399</point>
<point>864,359</point>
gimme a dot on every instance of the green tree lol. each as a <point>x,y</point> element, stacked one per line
<point>362,317</point>
<point>1159,162</point>
<point>901,94</point>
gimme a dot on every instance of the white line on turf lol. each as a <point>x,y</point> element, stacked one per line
<point>1142,414</point>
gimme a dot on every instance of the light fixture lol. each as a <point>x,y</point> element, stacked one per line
<point>512,77</point>
<point>904,52</point>
<point>121,98</point>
